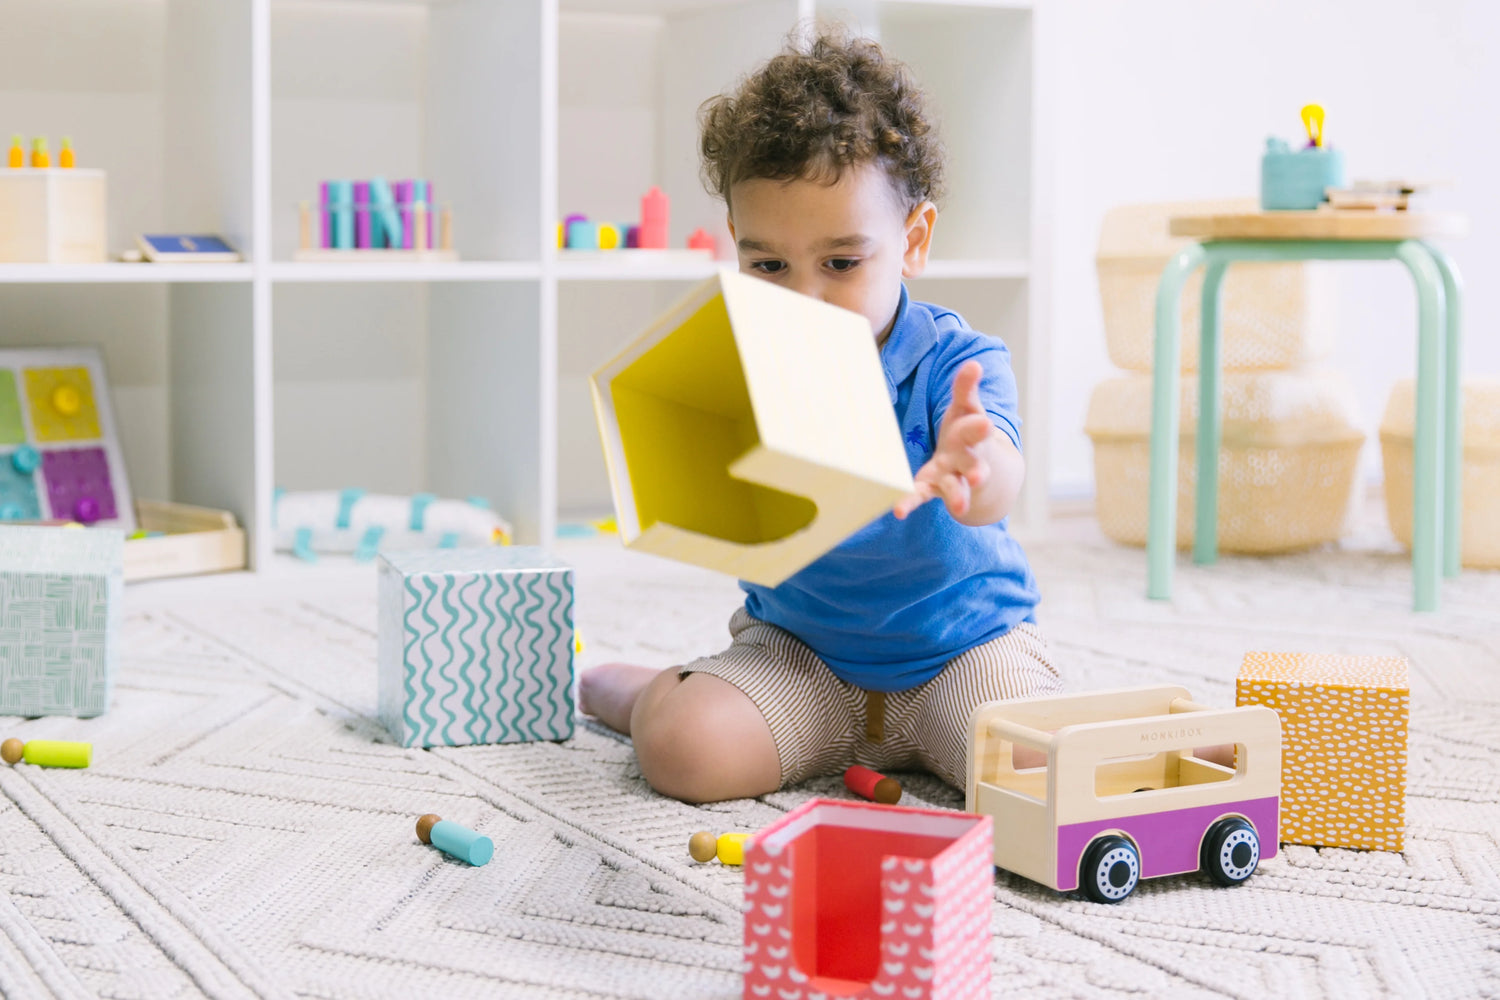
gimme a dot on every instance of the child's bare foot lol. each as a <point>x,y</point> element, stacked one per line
<point>608,692</point>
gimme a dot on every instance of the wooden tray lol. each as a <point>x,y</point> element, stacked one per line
<point>196,540</point>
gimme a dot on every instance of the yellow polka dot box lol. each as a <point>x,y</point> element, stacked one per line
<point>1343,744</point>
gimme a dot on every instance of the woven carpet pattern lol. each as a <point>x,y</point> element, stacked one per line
<point>246,829</point>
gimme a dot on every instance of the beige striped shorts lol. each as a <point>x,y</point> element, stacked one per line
<point>819,721</point>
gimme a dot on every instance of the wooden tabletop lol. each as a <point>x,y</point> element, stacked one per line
<point>1323,224</point>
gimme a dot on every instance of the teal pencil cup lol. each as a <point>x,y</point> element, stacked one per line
<point>1293,180</point>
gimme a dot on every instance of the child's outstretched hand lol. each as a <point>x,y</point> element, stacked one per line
<point>958,466</point>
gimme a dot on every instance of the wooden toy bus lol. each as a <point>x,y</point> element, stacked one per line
<point>1097,791</point>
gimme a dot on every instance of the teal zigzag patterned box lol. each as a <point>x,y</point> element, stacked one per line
<point>476,646</point>
<point>60,594</point>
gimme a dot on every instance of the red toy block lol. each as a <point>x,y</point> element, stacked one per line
<point>860,900</point>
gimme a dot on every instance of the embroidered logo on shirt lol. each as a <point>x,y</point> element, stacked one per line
<point>916,438</point>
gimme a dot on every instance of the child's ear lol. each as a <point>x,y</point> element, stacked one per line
<point>918,239</point>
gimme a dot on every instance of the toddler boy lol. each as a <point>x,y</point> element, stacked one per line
<point>877,652</point>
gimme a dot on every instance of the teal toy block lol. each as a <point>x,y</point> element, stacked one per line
<point>60,596</point>
<point>475,646</point>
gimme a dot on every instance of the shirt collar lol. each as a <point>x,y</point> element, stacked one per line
<point>913,334</point>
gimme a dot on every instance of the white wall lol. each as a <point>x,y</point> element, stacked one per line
<point>1158,100</point>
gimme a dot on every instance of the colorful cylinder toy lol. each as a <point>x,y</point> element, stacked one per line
<point>872,785</point>
<point>57,753</point>
<point>455,839</point>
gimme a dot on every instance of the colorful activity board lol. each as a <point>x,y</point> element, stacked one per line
<point>60,455</point>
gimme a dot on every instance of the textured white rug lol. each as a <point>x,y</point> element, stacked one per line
<point>246,828</point>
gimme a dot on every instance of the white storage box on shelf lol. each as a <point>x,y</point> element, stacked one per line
<point>1265,319</point>
<point>1480,531</point>
<point>1287,463</point>
<point>51,216</point>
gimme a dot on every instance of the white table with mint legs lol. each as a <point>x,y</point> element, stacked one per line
<point>1323,235</point>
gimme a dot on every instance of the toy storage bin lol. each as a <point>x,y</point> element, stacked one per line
<point>1264,319</point>
<point>52,216</point>
<point>1480,532</point>
<point>1287,460</point>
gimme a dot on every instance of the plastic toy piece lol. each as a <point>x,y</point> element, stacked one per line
<point>583,235</point>
<point>39,155</point>
<point>730,847</point>
<point>609,236</point>
<point>1336,790</point>
<point>47,753</point>
<point>702,240</point>
<point>854,899</point>
<point>383,206</point>
<point>25,459</point>
<point>1312,120</point>
<point>703,846</point>
<point>872,785</point>
<point>364,218</point>
<point>654,211</point>
<point>66,400</point>
<point>17,155</point>
<point>456,840</point>
<point>720,449</point>
<point>65,158</point>
<point>1124,793</point>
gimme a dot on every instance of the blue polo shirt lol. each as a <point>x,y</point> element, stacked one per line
<point>898,599</point>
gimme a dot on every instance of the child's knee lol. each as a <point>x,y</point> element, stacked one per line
<point>691,746</point>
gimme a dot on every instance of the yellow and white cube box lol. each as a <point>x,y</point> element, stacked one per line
<point>1343,744</point>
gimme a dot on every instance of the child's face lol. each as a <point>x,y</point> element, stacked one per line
<point>848,243</point>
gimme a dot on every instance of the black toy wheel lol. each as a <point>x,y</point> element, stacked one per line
<point>1231,851</point>
<point>1111,868</point>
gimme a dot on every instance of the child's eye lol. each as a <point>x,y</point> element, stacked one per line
<point>768,266</point>
<point>842,264</point>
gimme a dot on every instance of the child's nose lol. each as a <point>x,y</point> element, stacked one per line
<point>811,286</point>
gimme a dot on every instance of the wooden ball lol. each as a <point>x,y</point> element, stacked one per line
<point>12,750</point>
<point>425,825</point>
<point>703,846</point>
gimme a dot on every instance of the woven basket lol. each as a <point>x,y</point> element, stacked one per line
<point>1287,463</point>
<point>1480,532</point>
<point>1264,320</point>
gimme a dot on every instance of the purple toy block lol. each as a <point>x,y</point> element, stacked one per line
<point>362,235</point>
<point>78,485</point>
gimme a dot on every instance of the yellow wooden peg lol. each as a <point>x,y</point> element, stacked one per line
<point>731,848</point>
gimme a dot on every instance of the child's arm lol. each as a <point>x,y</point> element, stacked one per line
<point>975,468</point>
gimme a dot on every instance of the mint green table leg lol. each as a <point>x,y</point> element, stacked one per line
<point>1210,414</point>
<point>1426,546</point>
<point>1161,529</point>
<point>1453,420</point>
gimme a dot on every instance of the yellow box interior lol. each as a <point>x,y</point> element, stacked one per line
<point>684,416</point>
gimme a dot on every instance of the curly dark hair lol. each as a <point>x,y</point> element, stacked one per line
<point>815,109</point>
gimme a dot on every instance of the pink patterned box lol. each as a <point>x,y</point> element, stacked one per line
<point>858,900</point>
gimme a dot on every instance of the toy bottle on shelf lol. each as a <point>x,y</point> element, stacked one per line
<point>39,155</point>
<point>654,208</point>
<point>65,158</point>
<point>17,156</point>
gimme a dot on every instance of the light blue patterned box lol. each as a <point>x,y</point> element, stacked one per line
<point>60,594</point>
<point>476,646</point>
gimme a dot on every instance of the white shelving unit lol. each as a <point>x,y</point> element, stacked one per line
<point>465,378</point>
